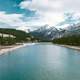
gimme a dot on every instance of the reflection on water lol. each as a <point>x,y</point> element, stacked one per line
<point>40,62</point>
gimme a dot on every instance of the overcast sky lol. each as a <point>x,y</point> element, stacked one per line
<point>25,13</point>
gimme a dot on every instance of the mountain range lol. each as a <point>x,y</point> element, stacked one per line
<point>47,32</point>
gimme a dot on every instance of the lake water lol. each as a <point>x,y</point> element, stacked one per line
<point>43,61</point>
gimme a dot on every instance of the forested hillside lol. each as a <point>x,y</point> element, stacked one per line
<point>12,36</point>
<point>69,40</point>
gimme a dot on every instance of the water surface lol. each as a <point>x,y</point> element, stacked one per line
<point>42,61</point>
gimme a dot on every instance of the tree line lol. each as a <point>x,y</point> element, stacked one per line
<point>69,40</point>
<point>14,36</point>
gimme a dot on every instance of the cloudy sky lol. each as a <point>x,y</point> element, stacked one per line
<point>30,13</point>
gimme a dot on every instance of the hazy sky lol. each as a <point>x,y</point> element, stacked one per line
<point>24,13</point>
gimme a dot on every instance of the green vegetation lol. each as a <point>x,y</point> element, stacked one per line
<point>70,40</point>
<point>7,41</point>
<point>13,36</point>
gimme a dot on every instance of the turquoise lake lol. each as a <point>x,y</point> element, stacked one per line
<point>43,61</point>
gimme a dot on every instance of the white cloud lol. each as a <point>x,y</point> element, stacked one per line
<point>71,5</point>
<point>24,28</point>
<point>16,21</point>
<point>42,5</point>
<point>51,11</point>
<point>47,10</point>
<point>12,19</point>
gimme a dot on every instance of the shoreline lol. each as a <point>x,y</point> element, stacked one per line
<point>71,47</point>
<point>5,49</point>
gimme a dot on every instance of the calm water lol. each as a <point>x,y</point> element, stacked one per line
<point>42,61</point>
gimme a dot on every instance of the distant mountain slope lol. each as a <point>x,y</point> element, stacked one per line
<point>71,36</point>
<point>72,30</point>
<point>46,33</point>
<point>50,33</point>
<point>71,20</point>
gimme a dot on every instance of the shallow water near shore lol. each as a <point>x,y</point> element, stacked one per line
<point>43,61</point>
